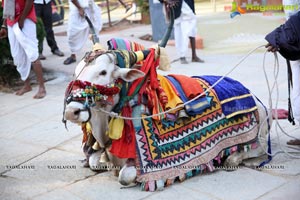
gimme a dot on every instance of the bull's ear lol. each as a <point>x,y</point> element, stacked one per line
<point>128,75</point>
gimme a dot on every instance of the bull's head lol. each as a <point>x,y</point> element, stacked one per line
<point>98,83</point>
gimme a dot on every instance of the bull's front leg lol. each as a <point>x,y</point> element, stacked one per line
<point>128,173</point>
<point>237,158</point>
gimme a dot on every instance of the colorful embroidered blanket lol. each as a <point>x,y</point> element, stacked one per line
<point>234,97</point>
<point>166,150</point>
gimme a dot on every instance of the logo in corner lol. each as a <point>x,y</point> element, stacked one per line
<point>236,10</point>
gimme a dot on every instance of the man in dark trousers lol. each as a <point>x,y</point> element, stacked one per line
<point>43,10</point>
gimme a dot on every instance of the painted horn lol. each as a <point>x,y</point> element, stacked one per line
<point>167,34</point>
<point>94,34</point>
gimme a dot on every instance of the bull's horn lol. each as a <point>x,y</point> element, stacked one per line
<point>167,34</point>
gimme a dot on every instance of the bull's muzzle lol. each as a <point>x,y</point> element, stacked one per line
<point>77,115</point>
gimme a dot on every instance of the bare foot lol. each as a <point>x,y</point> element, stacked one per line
<point>40,94</point>
<point>23,90</point>
<point>196,59</point>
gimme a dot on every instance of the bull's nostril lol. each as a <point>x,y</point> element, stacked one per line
<point>76,112</point>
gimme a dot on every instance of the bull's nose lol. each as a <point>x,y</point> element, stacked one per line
<point>72,113</point>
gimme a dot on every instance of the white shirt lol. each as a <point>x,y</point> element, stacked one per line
<point>41,1</point>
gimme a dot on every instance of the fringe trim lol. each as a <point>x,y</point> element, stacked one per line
<point>160,184</point>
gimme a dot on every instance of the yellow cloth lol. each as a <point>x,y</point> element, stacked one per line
<point>173,99</point>
<point>115,128</point>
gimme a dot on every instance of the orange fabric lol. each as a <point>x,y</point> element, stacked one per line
<point>173,99</point>
<point>190,86</point>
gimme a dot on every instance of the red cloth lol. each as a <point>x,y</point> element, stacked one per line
<point>190,86</point>
<point>19,7</point>
<point>125,146</point>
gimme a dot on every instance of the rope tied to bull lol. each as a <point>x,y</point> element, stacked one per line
<point>117,115</point>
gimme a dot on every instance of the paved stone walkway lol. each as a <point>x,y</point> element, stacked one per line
<point>40,159</point>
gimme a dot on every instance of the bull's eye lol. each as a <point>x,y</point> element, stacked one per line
<point>103,73</point>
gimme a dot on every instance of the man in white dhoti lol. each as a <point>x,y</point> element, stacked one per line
<point>185,29</point>
<point>19,25</point>
<point>78,28</point>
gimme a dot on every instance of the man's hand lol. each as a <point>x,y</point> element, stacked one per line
<point>271,48</point>
<point>81,12</point>
<point>3,33</point>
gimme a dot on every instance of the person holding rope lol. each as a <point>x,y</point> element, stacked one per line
<point>286,40</point>
<point>78,28</point>
<point>20,26</point>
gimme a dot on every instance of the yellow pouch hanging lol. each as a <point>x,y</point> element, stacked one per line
<point>115,128</point>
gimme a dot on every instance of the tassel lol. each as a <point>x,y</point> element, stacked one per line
<point>146,187</point>
<point>181,177</point>
<point>189,174</point>
<point>222,154</point>
<point>254,145</point>
<point>84,131</point>
<point>197,170</point>
<point>151,185</point>
<point>143,186</point>
<point>169,182</point>
<point>227,152</point>
<point>218,159</point>
<point>233,149</point>
<point>93,101</point>
<point>160,184</point>
<point>210,166</point>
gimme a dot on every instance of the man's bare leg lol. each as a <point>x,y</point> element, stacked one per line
<point>25,88</point>
<point>37,67</point>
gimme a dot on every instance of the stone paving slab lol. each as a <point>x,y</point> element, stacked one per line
<point>58,194</point>
<point>289,190</point>
<point>239,184</point>
<point>104,186</point>
<point>31,131</point>
<point>14,152</point>
<point>48,133</point>
<point>52,170</point>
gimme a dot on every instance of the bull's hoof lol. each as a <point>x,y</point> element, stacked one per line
<point>232,163</point>
<point>96,164</point>
<point>127,175</point>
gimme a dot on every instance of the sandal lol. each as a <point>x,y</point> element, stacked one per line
<point>69,60</point>
<point>183,60</point>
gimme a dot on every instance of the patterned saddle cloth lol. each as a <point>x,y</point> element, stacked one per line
<point>170,149</point>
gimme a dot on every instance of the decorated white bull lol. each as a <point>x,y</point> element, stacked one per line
<point>157,129</point>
